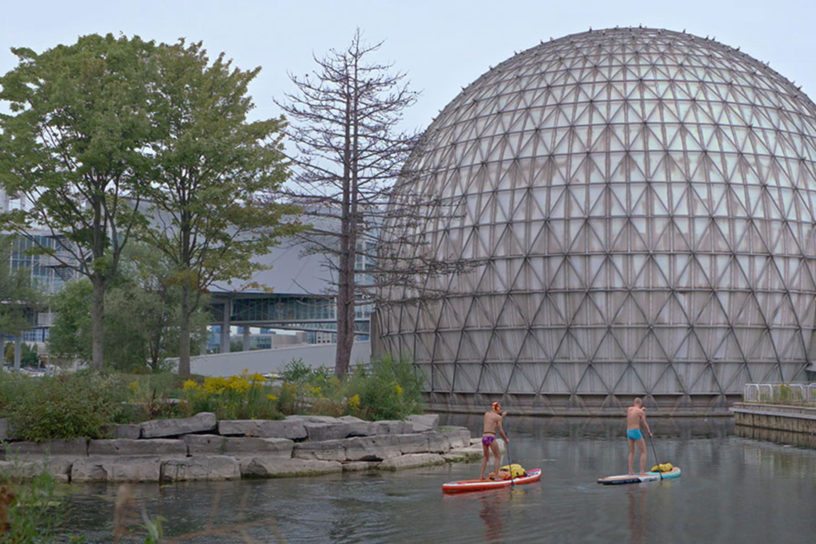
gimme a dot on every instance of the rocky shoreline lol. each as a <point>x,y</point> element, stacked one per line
<point>202,448</point>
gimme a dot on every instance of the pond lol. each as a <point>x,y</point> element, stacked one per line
<point>732,490</point>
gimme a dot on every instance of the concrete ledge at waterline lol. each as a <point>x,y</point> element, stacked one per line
<point>58,467</point>
<point>198,444</point>
<point>412,460</point>
<point>801,419</point>
<point>203,467</point>
<point>460,455</point>
<point>358,466</point>
<point>136,447</point>
<point>275,467</point>
<point>203,422</point>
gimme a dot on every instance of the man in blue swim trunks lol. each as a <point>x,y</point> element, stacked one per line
<point>492,424</point>
<point>635,416</point>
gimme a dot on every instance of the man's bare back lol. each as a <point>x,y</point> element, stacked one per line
<point>635,415</point>
<point>492,422</point>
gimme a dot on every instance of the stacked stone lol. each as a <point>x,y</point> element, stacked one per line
<point>202,448</point>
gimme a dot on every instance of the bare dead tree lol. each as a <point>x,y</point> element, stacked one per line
<point>344,125</point>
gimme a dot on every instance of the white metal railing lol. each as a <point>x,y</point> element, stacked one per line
<point>780,393</point>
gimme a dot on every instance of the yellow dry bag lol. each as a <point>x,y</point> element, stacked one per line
<point>515,470</point>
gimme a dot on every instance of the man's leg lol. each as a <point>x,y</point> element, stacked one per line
<point>631,453</point>
<point>642,447</point>
<point>496,455</point>
<point>485,453</point>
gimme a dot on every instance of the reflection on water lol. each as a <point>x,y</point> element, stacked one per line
<point>732,490</point>
<point>491,513</point>
<point>636,496</point>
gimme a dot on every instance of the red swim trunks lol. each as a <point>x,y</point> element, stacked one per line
<point>487,439</point>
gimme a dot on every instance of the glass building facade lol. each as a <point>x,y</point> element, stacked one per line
<point>631,211</point>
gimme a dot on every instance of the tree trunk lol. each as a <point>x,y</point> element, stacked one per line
<point>184,334</point>
<point>98,323</point>
<point>345,328</point>
<point>18,350</point>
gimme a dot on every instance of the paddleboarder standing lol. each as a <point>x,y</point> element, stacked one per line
<point>635,417</point>
<point>492,425</point>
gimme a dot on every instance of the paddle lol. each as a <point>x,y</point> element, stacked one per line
<point>651,441</point>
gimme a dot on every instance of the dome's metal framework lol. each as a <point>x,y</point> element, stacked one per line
<point>636,213</point>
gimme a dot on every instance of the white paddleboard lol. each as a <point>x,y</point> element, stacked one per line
<point>637,478</point>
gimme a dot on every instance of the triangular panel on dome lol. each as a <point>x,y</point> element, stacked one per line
<point>608,348</point>
<point>530,349</point>
<point>441,376</point>
<point>627,382</point>
<point>466,377</point>
<point>591,382</point>
<point>523,379</point>
<point>494,377</point>
<point>553,382</point>
<point>704,379</point>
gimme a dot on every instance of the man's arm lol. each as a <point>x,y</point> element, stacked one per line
<point>643,419</point>
<point>501,429</point>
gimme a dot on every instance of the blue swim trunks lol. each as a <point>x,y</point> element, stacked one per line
<point>488,439</point>
<point>633,434</point>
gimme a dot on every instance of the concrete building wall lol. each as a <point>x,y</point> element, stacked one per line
<point>265,361</point>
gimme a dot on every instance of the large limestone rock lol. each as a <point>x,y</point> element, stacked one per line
<point>372,448</point>
<point>414,443</point>
<point>203,422</point>
<point>327,431</point>
<point>412,460</point>
<point>442,441</point>
<point>423,422</point>
<point>129,446</point>
<point>201,467</point>
<point>116,469</point>
<point>459,437</point>
<point>393,427</point>
<point>358,427</point>
<point>292,429</point>
<point>68,446</point>
<point>275,467</point>
<point>198,444</point>
<point>312,419</point>
<point>126,431</point>
<point>328,450</point>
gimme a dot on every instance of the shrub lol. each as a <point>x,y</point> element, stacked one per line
<point>150,396</point>
<point>246,396</point>
<point>315,390</point>
<point>390,389</point>
<point>64,406</point>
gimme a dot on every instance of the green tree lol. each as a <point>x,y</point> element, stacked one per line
<point>215,177</point>
<point>141,317</point>
<point>73,149</point>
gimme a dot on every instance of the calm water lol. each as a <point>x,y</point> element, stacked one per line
<point>732,490</point>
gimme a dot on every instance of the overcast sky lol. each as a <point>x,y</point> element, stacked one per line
<point>441,45</point>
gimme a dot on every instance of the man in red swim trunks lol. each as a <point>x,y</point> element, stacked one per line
<point>492,424</point>
<point>635,417</point>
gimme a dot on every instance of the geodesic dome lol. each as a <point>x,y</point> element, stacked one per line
<point>633,211</point>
